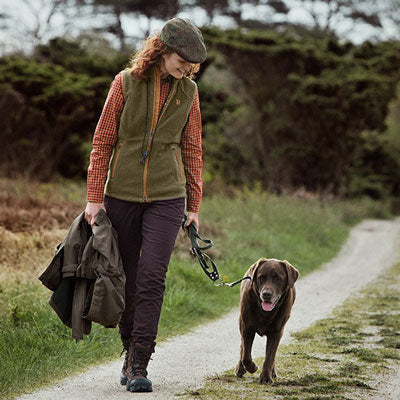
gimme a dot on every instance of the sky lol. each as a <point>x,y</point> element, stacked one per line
<point>26,14</point>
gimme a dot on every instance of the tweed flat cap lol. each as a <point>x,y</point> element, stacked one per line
<point>182,36</point>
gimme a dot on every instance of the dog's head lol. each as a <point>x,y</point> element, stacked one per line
<point>271,279</point>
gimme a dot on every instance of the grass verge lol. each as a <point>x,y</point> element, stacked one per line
<point>37,348</point>
<point>342,357</point>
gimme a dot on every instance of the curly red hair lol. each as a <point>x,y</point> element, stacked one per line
<point>150,55</point>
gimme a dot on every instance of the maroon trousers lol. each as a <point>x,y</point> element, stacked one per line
<point>146,237</point>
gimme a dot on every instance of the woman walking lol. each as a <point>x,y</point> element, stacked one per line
<point>146,160</point>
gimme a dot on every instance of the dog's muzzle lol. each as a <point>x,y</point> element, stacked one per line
<point>268,303</point>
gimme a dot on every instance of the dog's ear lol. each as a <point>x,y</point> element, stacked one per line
<point>253,272</point>
<point>292,272</point>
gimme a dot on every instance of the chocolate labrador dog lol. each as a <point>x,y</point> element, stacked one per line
<point>265,304</point>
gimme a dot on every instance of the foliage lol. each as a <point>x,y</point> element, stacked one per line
<point>151,9</point>
<point>28,24</point>
<point>334,18</point>
<point>54,100</point>
<point>376,167</point>
<point>78,58</point>
<point>223,154</point>
<point>310,101</point>
<point>212,7</point>
<point>51,111</point>
<point>328,14</point>
<point>392,136</point>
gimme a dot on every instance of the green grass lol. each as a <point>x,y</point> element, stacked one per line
<point>59,190</point>
<point>36,349</point>
<point>341,357</point>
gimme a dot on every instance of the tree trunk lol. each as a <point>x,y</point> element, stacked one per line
<point>119,30</point>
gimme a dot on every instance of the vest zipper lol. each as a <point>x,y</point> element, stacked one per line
<point>155,122</point>
<point>116,160</point>
<point>145,157</point>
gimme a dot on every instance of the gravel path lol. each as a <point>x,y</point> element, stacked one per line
<point>183,362</point>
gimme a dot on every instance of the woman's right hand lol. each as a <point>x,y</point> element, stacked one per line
<point>91,211</point>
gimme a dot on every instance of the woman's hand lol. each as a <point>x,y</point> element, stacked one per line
<point>193,217</point>
<point>91,211</point>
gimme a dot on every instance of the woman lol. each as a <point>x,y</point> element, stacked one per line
<point>146,159</point>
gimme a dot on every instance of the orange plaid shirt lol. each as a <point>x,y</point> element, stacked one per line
<point>105,137</point>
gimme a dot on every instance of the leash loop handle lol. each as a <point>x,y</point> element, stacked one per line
<point>193,236</point>
<point>206,262</point>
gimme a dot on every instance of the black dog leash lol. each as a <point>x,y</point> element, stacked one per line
<point>206,262</point>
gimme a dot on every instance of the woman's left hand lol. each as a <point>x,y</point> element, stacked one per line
<point>193,217</point>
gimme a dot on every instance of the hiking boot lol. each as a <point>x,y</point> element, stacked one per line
<point>139,357</point>
<point>123,378</point>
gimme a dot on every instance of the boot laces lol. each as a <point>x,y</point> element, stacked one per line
<point>139,361</point>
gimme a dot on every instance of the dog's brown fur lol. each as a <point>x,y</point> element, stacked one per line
<point>272,280</point>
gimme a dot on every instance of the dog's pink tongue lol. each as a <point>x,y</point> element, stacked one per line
<point>267,306</point>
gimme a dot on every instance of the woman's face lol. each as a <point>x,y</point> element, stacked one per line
<point>174,65</point>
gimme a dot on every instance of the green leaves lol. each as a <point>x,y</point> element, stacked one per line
<point>310,99</point>
<point>51,106</point>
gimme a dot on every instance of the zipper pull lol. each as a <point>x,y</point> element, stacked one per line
<point>145,155</point>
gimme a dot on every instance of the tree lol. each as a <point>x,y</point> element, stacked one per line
<point>236,9</point>
<point>393,13</point>
<point>80,58</point>
<point>310,101</point>
<point>151,9</point>
<point>334,18</point>
<point>52,113</point>
<point>29,23</point>
<point>327,14</point>
<point>212,7</point>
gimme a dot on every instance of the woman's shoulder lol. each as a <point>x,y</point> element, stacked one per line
<point>127,75</point>
<point>129,80</point>
<point>188,86</point>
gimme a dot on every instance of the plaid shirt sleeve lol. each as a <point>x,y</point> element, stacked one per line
<point>192,157</point>
<point>104,139</point>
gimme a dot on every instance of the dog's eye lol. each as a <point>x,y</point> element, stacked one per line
<point>261,278</point>
<point>276,278</point>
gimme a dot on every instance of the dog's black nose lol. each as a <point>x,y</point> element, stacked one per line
<point>267,295</point>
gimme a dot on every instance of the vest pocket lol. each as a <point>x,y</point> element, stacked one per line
<point>179,163</point>
<point>115,161</point>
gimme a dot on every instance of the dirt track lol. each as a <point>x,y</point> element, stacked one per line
<point>183,362</point>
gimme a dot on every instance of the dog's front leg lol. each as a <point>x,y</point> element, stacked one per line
<point>245,362</point>
<point>268,371</point>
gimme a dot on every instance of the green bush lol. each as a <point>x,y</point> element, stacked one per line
<point>53,101</point>
<point>310,101</point>
<point>52,113</point>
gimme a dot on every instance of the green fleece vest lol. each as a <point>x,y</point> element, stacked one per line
<point>146,163</point>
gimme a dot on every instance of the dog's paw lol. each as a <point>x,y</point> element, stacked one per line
<point>250,366</point>
<point>240,370</point>
<point>265,378</point>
